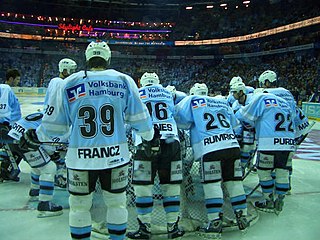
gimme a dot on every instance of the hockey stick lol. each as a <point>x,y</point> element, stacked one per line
<point>13,141</point>
<point>253,190</point>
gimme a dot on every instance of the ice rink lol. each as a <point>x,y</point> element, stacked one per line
<point>299,220</point>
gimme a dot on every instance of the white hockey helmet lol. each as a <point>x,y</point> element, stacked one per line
<point>235,80</point>
<point>67,64</point>
<point>149,79</point>
<point>171,89</point>
<point>269,75</point>
<point>199,89</point>
<point>237,87</point>
<point>98,49</point>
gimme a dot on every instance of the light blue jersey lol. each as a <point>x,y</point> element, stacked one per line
<point>301,123</point>
<point>159,102</point>
<point>36,158</point>
<point>236,105</point>
<point>273,120</point>
<point>9,105</point>
<point>211,122</point>
<point>97,104</point>
<point>285,94</point>
<point>179,96</point>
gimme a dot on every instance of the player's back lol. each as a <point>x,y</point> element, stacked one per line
<point>97,106</point>
<point>211,122</point>
<point>31,121</point>
<point>159,102</point>
<point>274,122</point>
<point>285,94</point>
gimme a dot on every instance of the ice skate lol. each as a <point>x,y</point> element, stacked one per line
<point>265,206</point>
<point>212,231</point>
<point>48,209</point>
<point>34,195</point>
<point>242,221</point>
<point>60,181</point>
<point>143,232</point>
<point>173,230</point>
<point>278,204</point>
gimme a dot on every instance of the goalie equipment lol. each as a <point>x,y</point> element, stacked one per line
<point>152,148</point>
<point>29,141</point>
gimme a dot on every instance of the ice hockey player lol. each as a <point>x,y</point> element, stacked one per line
<point>66,67</point>
<point>43,168</point>
<point>211,121</point>
<point>234,80</point>
<point>272,118</point>
<point>167,162</point>
<point>247,134</point>
<point>96,102</point>
<point>9,113</point>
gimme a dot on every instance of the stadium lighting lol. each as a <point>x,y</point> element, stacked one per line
<point>223,5</point>
<point>246,2</point>
<point>189,8</point>
<point>209,6</point>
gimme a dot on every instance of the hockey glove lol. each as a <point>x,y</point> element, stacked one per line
<point>152,147</point>
<point>55,157</point>
<point>29,141</point>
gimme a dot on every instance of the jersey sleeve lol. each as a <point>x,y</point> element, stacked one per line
<point>136,113</point>
<point>251,112</point>
<point>183,114</point>
<point>55,124</point>
<point>15,106</point>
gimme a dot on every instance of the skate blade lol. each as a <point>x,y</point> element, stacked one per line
<point>34,199</point>
<point>265,210</point>
<point>244,231</point>
<point>277,212</point>
<point>98,235</point>
<point>210,236</point>
<point>49,214</point>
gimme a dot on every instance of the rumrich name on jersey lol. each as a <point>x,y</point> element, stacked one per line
<point>99,152</point>
<point>218,138</point>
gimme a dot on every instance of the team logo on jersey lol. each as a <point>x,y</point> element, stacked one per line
<point>143,94</point>
<point>76,92</point>
<point>200,102</point>
<point>270,102</point>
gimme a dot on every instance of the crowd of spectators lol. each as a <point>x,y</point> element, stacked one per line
<point>297,71</point>
<point>195,24</point>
